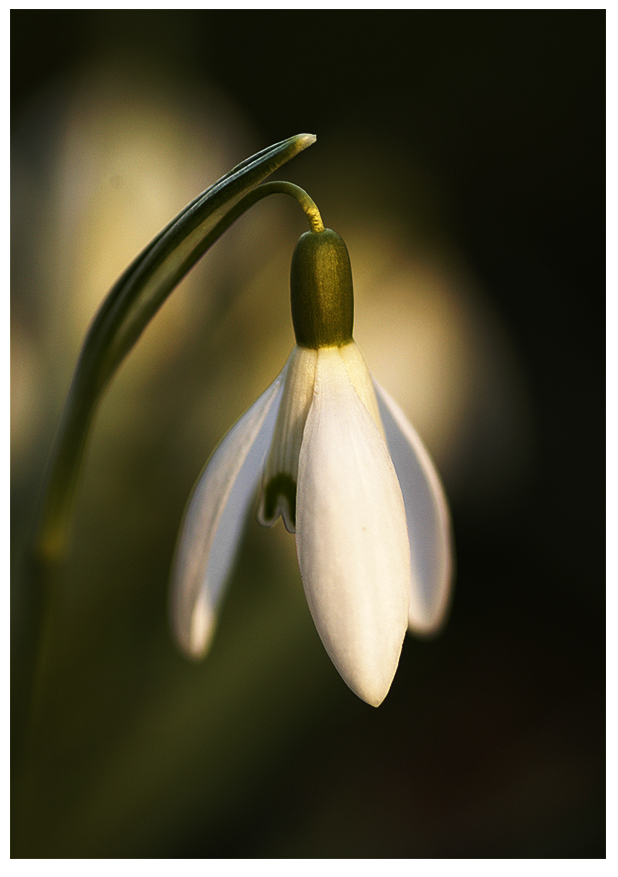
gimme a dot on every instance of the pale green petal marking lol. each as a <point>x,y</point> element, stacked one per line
<point>281,470</point>
<point>279,498</point>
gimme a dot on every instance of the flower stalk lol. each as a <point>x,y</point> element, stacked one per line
<point>128,308</point>
<point>131,304</point>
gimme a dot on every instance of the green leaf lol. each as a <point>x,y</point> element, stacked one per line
<point>127,310</point>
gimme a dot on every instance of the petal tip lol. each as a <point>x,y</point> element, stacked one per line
<point>374,698</point>
<point>195,633</point>
<point>371,687</point>
<point>425,631</point>
<point>369,671</point>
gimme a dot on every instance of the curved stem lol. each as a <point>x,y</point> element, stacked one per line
<point>88,384</point>
<point>130,305</point>
<point>132,302</point>
<point>285,188</point>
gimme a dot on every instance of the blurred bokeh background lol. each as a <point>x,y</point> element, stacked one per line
<point>461,156</point>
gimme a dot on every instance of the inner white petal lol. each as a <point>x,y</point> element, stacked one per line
<point>278,494</point>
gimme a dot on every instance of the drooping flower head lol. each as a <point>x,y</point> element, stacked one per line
<point>330,452</point>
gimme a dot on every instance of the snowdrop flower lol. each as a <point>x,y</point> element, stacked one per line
<point>327,449</point>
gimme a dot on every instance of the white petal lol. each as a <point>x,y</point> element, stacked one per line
<point>361,380</point>
<point>214,519</point>
<point>428,518</point>
<point>281,466</point>
<point>351,534</point>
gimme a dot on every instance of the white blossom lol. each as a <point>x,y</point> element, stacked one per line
<point>327,449</point>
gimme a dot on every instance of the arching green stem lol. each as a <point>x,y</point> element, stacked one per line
<point>131,304</point>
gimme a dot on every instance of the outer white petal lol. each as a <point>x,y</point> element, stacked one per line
<point>428,518</point>
<point>214,520</point>
<point>351,534</point>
